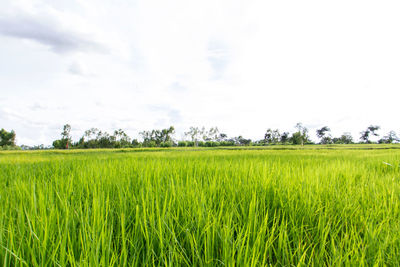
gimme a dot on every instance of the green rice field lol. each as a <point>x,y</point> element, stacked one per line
<point>311,206</point>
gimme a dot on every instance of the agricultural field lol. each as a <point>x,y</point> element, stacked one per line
<point>321,206</point>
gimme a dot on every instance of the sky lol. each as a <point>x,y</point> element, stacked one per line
<point>243,66</point>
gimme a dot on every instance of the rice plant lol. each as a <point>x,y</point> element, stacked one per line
<point>187,207</point>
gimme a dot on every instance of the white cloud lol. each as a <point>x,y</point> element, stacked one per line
<point>61,32</point>
<point>243,66</point>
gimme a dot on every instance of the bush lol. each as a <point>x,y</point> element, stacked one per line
<point>150,144</point>
<point>7,147</point>
<point>166,144</point>
<point>60,144</point>
<point>211,144</point>
<point>136,143</point>
<point>189,143</point>
<point>200,143</point>
<point>227,143</point>
<point>182,143</point>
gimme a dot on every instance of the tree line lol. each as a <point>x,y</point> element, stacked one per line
<point>202,137</point>
<point>198,137</point>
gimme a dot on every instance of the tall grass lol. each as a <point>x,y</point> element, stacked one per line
<point>200,208</point>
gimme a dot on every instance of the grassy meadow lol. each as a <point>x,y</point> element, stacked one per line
<point>338,205</point>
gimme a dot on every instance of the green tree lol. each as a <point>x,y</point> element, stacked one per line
<point>7,138</point>
<point>322,135</point>
<point>66,133</point>
<point>371,130</point>
<point>271,136</point>
<point>390,138</point>
<point>105,140</point>
<point>222,137</point>
<point>66,140</point>
<point>194,133</point>
<point>211,135</point>
<point>158,137</point>
<point>301,136</point>
<point>121,139</point>
<point>166,134</point>
<point>60,144</point>
<point>345,138</point>
<point>284,137</point>
<point>240,140</point>
<point>136,143</point>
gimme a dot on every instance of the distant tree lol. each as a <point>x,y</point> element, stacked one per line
<point>345,138</point>
<point>91,133</point>
<point>166,134</point>
<point>326,140</point>
<point>182,143</point>
<point>285,137</point>
<point>222,137</point>
<point>35,147</point>
<point>213,134</point>
<point>301,136</point>
<point>371,130</point>
<point>66,141</point>
<point>158,137</point>
<point>390,138</point>
<point>90,138</point>
<point>147,137</point>
<point>321,132</point>
<point>104,140</point>
<point>59,144</point>
<point>242,141</point>
<point>297,139</point>
<point>167,144</point>
<point>7,138</point>
<point>268,136</point>
<point>66,133</point>
<point>93,138</point>
<point>194,133</point>
<point>121,139</point>
<point>322,135</point>
<point>271,136</point>
<point>81,143</point>
<point>135,143</point>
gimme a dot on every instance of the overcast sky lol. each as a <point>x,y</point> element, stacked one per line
<point>243,66</point>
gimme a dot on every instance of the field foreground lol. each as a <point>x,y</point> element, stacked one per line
<point>195,208</point>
